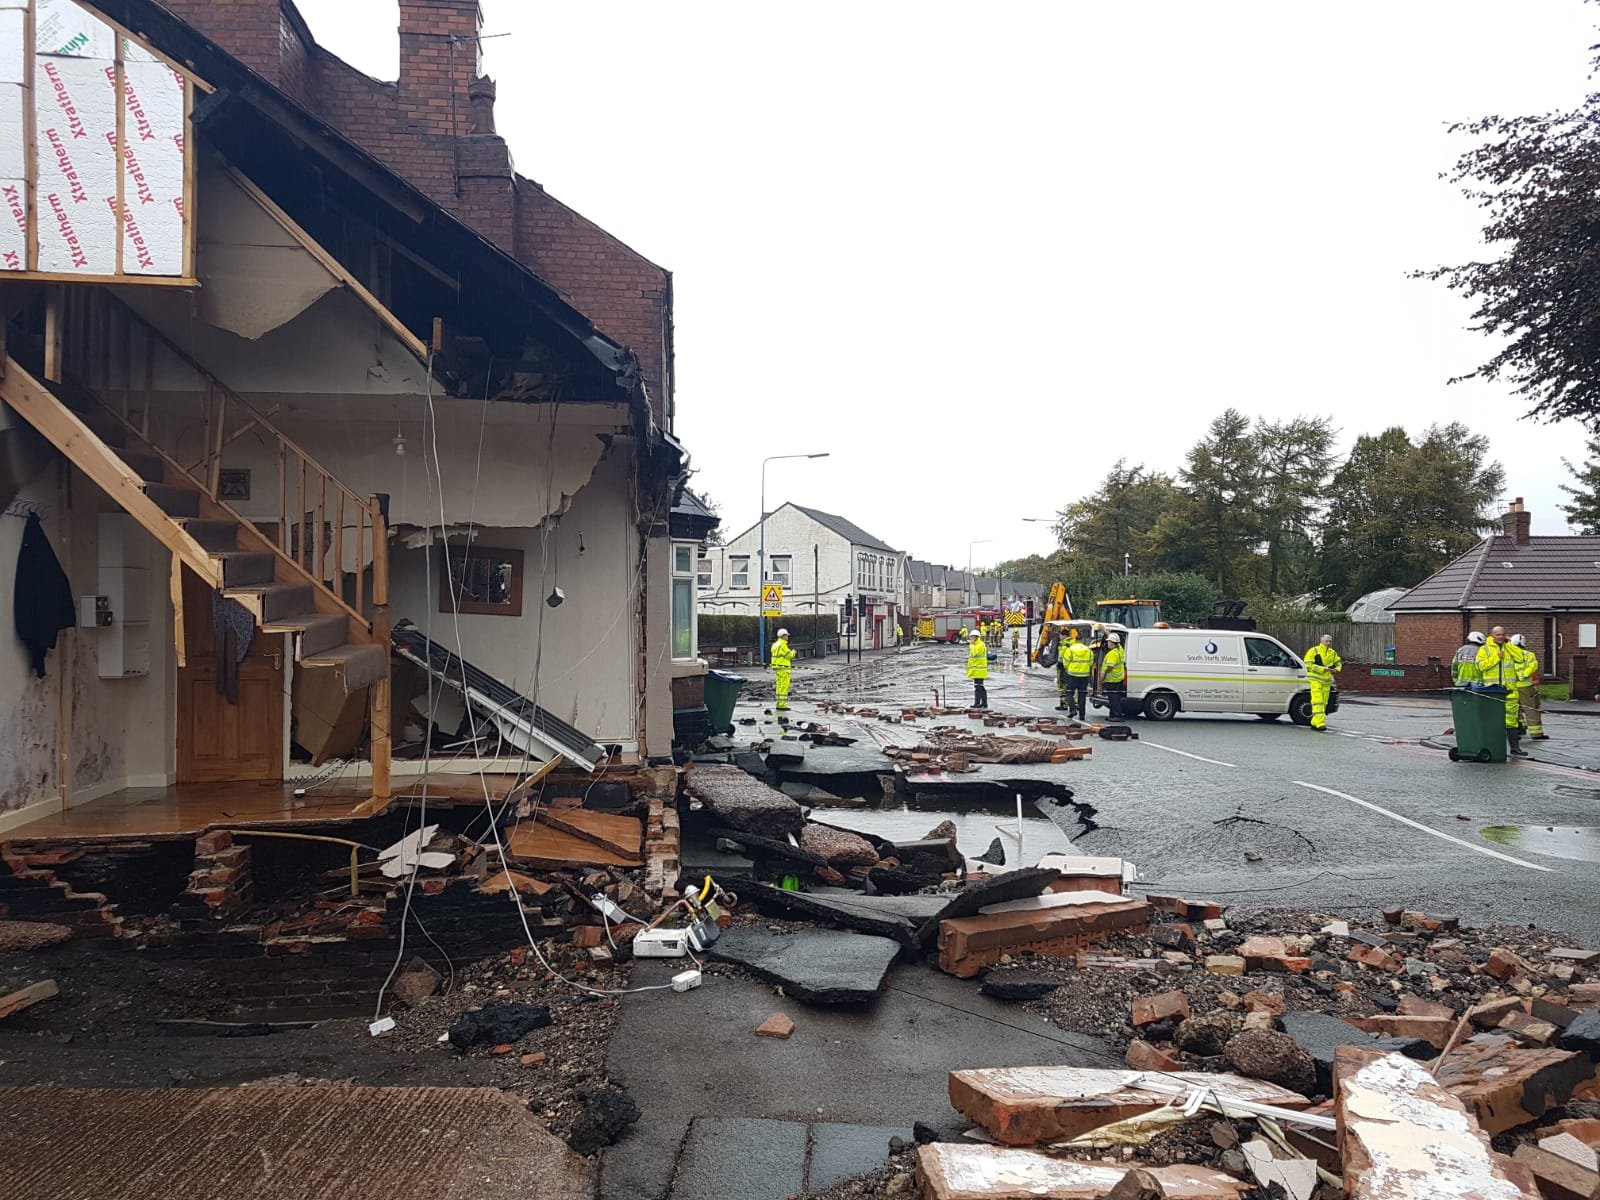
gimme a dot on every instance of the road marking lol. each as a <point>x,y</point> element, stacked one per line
<point>1216,762</point>
<point>1378,808</point>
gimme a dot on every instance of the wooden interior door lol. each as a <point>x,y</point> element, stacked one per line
<point>218,741</point>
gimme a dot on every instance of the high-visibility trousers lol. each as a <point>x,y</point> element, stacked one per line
<point>1321,691</point>
<point>1532,712</point>
<point>780,684</point>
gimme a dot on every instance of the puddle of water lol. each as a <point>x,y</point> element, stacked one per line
<point>1560,841</point>
<point>975,828</point>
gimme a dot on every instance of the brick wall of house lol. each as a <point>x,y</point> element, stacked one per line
<point>250,30</point>
<point>422,127</point>
<point>1421,636</point>
<point>1424,677</point>
<point>622,292</point>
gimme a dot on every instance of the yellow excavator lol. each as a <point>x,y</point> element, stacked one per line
<point>1059,623</point>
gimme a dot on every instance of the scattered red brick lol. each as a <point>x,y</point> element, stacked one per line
<point>1416,1006</point>
<point>1142,1056</point>
<point>1507,1086</point>
<point>1372,956</point>
<point>534,1059</point>
<point>1436,1030</point>
<point>968,944</point>
<point>776,1026</point>
<point>1528,1029</point>
<point>1267,1002</point>
<point>1147,1010</point>
<point>1504,965</point>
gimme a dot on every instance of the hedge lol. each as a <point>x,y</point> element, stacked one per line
<point>730,629</point>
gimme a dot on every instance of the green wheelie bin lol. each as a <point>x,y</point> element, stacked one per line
<point>722,693</point>
<point>1480,719</point>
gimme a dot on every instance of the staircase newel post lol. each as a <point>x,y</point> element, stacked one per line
<point>378,697</point>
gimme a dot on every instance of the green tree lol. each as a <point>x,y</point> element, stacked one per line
<point>1215,525</point>
<point>1583,514</point>
<point>1537,179</point>
<point>1295,462</point>
<point>1402,509</point>
<point>1116,520</point>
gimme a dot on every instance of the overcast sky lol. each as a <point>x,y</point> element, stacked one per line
<point>930,238</point>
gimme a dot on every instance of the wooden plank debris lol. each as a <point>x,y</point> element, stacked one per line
<point>26,997</point>
<point>534,844</point>
<point>612,831</point>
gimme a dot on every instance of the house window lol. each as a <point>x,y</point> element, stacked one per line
<point>782,569</point>
<point>739,569</point>
<point>683,617</point>
<point>488,582</point>
<point>861,571</point>
<point>702,573</point>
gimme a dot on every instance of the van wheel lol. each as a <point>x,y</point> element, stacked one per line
<point>1161,706</point>
<point>1300,709</point>
<point>1269,716</point>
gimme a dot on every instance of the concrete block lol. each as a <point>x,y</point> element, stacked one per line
<point>1026,1106</point>
<point>1506,1085</point>
<point>951,1171</point>
<point>1403,1135</point>
<point>968,944</point>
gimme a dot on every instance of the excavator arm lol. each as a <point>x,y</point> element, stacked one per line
<point>1057,607</point>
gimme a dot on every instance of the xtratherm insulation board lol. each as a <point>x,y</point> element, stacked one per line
<point>152,168</point>
<point>95,164</point>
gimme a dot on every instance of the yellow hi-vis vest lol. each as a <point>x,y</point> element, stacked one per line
<point>1080,660</point>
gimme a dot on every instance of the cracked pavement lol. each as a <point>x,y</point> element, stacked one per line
<point>1268,814</point>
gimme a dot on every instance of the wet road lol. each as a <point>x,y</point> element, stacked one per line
<point>1272,815</point>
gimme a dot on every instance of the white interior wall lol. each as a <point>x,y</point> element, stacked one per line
<point>120,731</point>
<point>586,672</point>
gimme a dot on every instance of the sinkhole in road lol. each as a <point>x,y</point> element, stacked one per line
<point>1051,818</point>
<point>1579,842</point>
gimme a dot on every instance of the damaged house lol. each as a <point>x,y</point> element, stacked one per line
<point>353,446</point>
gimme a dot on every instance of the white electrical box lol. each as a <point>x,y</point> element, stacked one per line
<point>661,943</point>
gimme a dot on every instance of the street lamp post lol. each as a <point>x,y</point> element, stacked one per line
<point>761,556</point>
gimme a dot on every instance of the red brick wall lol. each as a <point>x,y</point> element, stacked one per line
<point>1421,636</point>
<point>1418,635</point>
<point>1426,677</point>
<point>419,128</point>
<point>438,58</point>
<point>250,30</point>
<point>623,293</point>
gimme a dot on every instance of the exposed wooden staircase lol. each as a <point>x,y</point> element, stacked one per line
<point>224,548</point>
<point>292,583</point>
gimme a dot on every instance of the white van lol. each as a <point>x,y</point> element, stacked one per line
<point>1215,670</point>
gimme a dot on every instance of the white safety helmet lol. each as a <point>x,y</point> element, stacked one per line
<point>783,633</point>
<point>974,636</point>
<point>1518,640</point>
<point>1113,639</point>
<point>1475,638</point>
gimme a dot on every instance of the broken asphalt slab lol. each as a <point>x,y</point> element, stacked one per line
<point>812,966</point>
<point>1321,1035</point>
<point>741,1156</point>
<point>886,1064</point>
<point>757,1159</point>
<point>740,801</point>
<point>897,917</point>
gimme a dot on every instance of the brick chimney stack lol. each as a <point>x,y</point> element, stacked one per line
<point>1517,523</point>
<point>439,59</point>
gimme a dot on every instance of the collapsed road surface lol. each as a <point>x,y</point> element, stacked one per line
<point>1252,811</point>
